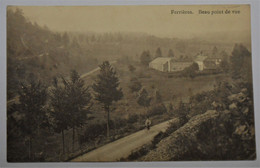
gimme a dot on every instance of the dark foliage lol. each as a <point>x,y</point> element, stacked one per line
<point>157,109</point>
<point>145,58</point>
<point>134,85</point>
<point>241,63</point>
<point>190,71</point>
<point>107,88</point>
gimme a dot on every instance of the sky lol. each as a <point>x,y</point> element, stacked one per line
<point>154,20</point>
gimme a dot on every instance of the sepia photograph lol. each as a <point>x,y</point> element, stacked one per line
<point>136,83</point>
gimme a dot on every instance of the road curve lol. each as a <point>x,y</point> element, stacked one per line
<point>93,71</point>
<point>123,147</point>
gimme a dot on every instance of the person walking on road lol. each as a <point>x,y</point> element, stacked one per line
<point>148,123</point>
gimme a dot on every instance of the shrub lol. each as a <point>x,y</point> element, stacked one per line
<point>92,131</point>
<point>157,110</point>
<point>133,118</point>
<point>118,123</point>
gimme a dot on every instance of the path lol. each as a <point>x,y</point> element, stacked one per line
<point>94,70</point>
<point>123,147</point>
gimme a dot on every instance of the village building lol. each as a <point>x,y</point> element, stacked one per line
<point>200,61</point>
<point>207,63</point>
<point>163,64</point>
<point>179,65</point>
<point>167,64</point>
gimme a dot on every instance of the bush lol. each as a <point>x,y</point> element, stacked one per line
<point>157,110</point>
<point>118,123</point>
<point>132,118</point>
<point>92,131</point>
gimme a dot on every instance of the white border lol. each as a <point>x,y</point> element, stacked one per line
<point>255,34</point>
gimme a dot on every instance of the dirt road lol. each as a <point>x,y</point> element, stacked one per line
<point>93,71</point>
<point>123,147</point>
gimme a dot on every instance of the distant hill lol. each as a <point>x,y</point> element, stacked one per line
<point>38,51</point>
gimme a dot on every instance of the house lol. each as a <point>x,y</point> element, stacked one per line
<point>200,61</point>
<point>167,64</point>
<point>163,64</point>
<point>207,63</point>
<point>180,65</point>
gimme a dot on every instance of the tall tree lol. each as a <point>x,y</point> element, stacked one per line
<point>214,51</point>
<point>145,58</point>
<point>158,53</point>
<point>71,103</point>
<point>79,101</point>
<point>32,98</point>
<point>59,110</point>
<point>241,62</point>
<point>224,64</point>
<point>170,53</point>
<point>144,99</point>
<point>107,89</point>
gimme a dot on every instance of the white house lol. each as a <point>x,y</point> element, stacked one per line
<point>163,64</point>
<point>200,61</point>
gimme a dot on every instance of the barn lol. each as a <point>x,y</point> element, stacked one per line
<point>163,64</point>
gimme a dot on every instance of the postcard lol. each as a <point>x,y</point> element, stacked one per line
<point>129,83</point>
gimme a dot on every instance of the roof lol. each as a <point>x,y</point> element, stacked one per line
<point>201,58</point>
<point>161,60</point>
<point>212,59</point>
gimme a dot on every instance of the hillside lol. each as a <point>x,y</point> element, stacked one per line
<point>225,133</point>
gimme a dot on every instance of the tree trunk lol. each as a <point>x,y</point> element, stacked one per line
<point>107,121</point>
<point>63,144</point>
<point>73,138</point>
<point>29,151</point>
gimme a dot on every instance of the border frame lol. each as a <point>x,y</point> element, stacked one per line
<point>255,43</point>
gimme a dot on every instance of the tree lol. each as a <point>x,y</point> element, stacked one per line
<point>190,71</point>
<point>32,98</point>
<point>224,65</point>
<point>131,68</point>
<point>182,112</point>
<point>170,53</point>
<point>134,85</point>
<point>214,51</point>
<point>158,97</point>
<point>241,62</point>
<point>70,103</point>
<point>107,89</point>
<point>79,101</point>
<point>145,58</point>
<point>144,99</point>
<point>158,53</point>
<point>59,111</point>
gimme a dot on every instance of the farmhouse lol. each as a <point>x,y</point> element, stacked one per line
<point>212,63</point>
<point>200,61</point>
<point>207,63</point>
<point>163,64</point>
<point>167,64</point>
